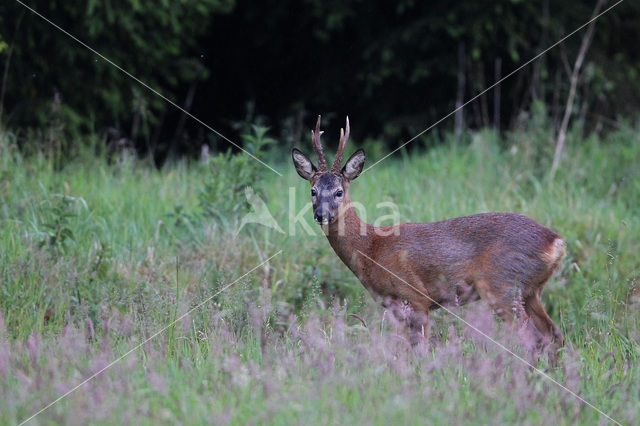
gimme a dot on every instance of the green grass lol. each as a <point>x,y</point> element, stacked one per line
<point>97,254</point>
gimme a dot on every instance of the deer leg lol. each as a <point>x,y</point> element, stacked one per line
<point>506,304</point>
<point>542,321</point>
<point>418,326</point>
<point>415,321</point>
<point>510,305</point>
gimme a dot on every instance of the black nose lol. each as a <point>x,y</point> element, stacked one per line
<point>321,217</point>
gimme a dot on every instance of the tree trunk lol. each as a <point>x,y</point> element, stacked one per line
<point>575,77</point>
<point>484,104</point>
<point>497,75</point>
<point>7,64</point>
<point>458,122</point>
<point>183,117</point>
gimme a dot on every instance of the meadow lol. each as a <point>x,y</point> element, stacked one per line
<point>99,251</point>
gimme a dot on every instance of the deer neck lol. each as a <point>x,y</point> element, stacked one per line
<point>348,235</point>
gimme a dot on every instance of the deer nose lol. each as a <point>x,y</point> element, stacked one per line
<point>323,217</point>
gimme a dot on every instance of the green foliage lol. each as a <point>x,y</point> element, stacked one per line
<point>58,228</point>
<point>393,66</point>
<point>256,140</point>
<point>223,194</point>
<point>278,346</point>
<point>156,42</point>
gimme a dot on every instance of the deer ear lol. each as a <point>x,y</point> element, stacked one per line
<point>354,165</point>
<point>304,166</point>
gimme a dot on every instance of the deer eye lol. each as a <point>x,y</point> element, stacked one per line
<point>339,194</point>
<point>313,192</point>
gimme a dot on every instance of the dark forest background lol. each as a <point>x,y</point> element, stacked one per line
<point>394,67</point>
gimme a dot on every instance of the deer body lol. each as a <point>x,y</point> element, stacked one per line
<point>503,258</point>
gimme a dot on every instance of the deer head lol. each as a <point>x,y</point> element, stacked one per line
<point>328,187</point>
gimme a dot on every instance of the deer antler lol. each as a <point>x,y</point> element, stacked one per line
<point>344,137</point>
<point>315,137</point>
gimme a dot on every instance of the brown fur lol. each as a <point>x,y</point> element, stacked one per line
<point>502,258</point>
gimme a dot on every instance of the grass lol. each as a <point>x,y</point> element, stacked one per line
<point>99,253</point>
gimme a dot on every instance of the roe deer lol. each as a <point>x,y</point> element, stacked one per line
<point>503,258</point>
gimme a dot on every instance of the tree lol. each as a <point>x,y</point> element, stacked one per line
<point>155,41</point>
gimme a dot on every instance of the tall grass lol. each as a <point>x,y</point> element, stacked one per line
<point>98,253</point>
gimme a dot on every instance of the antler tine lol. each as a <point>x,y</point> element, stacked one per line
<point>344,137</point>
<point>315,138</point>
